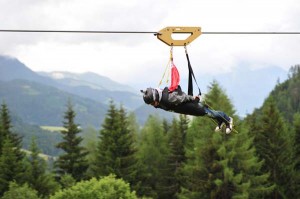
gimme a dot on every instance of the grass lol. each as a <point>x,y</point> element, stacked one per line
<point>53,128</point>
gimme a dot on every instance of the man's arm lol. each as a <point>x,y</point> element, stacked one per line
<point>176,99</point>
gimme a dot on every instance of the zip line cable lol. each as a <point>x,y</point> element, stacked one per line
<point>80,31</point>
<point>144,32</point>
<point>251,33</point>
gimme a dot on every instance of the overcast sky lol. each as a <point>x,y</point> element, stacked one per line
<point>132,58</point>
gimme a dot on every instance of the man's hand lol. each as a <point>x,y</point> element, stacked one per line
<point>197,98</point>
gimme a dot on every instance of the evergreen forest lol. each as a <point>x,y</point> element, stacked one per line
<point>181,159</point>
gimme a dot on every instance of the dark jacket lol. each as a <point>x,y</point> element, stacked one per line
<point>192,107</point>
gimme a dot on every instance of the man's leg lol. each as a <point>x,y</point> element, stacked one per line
<point>217,115</point>
<point>221,119</point>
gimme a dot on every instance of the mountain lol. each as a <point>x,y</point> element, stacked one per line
<point>40,98</point>
<point>96,87</point>
<point>88,79</point>
<point>46,140</point>
<point>11,69</point>
<point>45,105</point>
<point>87,85</point>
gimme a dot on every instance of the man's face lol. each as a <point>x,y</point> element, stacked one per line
<point>155,103</point>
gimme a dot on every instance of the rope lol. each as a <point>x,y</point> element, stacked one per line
<point>167,67</point>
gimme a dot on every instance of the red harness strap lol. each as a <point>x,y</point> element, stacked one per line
<point>175,78</point>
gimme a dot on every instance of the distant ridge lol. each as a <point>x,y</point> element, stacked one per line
<point>87,85</point>
<point>89,79</point>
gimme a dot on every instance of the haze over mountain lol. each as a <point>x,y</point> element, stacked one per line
<point>245,86</point>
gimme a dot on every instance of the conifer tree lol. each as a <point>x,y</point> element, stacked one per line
<point>106,150</point>
<point>73,161</point>
<point>176,158</point>
<point>11,169</point>
<point>297,152</point>
<point>274,146</point>
<point>6,131</point>
<point>127,148</point>
<point>220,165</point>
<point>152,155</point>
<point>12,166</point>
<point>116,150</point>
<point>37,176</point>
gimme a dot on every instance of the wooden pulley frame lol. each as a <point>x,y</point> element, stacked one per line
<point>165,35</point>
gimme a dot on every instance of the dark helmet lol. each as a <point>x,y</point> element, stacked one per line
<point>148,95</point>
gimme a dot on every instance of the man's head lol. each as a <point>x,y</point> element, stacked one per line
<point>149,95</point>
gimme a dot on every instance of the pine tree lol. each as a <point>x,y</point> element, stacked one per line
<point>220,165</point>
<point>152,155</point>
<point>11,169</point>
<point>116,150</point>
<point>73,161</point>
<point>12,166</point>
<point>273,145</point>
<point>127,148</point>
<point>175,160</point>
<point>37,176</point>
<point>6,131</point>
<point>296,125</point>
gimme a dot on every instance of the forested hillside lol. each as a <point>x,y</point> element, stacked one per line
<point>182,159</point>
<point>40,104</point>
<point>287,94</point>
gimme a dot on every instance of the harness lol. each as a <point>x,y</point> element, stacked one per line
<point>188,108</point>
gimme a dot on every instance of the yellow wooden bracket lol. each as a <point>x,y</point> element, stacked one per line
<point>165,35</point>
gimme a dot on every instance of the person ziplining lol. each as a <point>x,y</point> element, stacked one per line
<point>172,98</point>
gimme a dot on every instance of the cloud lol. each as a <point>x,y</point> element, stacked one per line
<point>131,58</point>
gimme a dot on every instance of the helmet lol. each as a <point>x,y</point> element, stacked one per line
<point>148,95</point>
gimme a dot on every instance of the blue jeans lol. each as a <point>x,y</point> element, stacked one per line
<point>219,116</point>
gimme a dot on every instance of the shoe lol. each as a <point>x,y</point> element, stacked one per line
<point>219,127</point>
<point>229,126</point>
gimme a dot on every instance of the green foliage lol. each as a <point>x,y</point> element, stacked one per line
<point>182,159</point>
<point>10,167</point>
<point>296,125</point>
<point>37,176</point>
<point>220,165</point>
<point>107,187</point>
<point>90,141</point>
<point>20,192</point>
<point>116,150</point>
<point>46,140</point>
<point>73,161</point>
<point>176,141</point>
<point>152,156</point>
<point>6,131</point>
<point>274,146</point>
<point>287,94</point>
<point>67,181</point>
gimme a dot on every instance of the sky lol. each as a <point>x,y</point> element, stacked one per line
<point>140,59</point>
